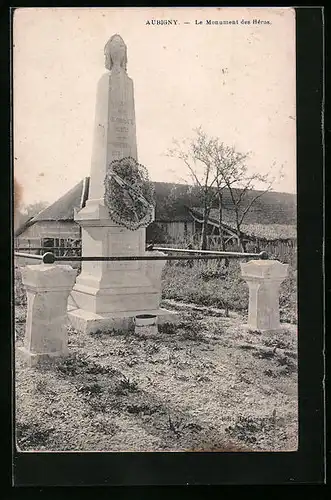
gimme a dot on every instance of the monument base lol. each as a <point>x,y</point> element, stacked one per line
<point>280,329</point>
<point>32,359</point>
<point>89,322</point>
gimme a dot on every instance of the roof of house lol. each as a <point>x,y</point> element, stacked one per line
<point>268,225</point>
<point>24,226</point>
<point>169,203</point>
<point>63,208</point>
<point>173,202</point>
<point>177,202</point>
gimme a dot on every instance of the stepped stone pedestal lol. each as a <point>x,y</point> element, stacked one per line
<point>107,294</point>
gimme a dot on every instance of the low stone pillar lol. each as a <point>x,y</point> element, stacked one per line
<point>264,278</point>
<point>48,287</point>
<point>154,270</point>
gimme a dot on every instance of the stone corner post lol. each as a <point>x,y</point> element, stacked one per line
<point>264,278</point>
<point>48,287</point>
<point>154,269</point>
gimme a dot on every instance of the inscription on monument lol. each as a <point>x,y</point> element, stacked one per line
<point>122,129</point>
<point>124,245</point>
<point>120,144</point>
<point>125,121</point>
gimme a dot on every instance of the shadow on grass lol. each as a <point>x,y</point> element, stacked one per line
<point>31,436</point>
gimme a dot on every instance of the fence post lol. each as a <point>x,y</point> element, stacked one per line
<point>48,287</point>
<point>263,278</point>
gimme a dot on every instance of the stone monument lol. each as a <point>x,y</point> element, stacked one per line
<point>108,295</point>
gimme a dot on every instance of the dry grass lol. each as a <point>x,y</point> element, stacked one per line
<point>205,384</point>
<point>176,392</point>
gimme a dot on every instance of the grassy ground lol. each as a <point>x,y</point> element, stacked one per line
<point>210,285</point>
<point>205,384</point>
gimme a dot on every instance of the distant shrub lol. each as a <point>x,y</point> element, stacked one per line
<point>156,234</point>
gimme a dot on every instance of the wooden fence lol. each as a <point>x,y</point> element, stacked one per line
<point>283,250</point>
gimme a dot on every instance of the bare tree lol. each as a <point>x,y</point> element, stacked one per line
<point>228,171</point>
<point>212,166</point>
<point>241,183</point>
<point>229,166</point>
<point>215,167</point>
<point>197,154</point>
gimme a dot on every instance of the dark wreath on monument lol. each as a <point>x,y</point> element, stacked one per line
<point>129,194</point>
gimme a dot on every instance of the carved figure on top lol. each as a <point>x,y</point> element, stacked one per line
<point>115,54</point>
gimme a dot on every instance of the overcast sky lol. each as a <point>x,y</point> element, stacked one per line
<point>237,81</point>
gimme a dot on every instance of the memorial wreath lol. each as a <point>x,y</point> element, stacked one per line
<point>129,194</point>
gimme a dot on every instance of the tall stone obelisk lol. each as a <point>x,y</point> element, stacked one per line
<point>109,294</point>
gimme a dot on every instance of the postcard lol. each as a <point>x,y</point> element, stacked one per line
<point>155,232</point>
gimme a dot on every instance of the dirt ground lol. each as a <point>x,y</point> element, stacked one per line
<point>204,385</point>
